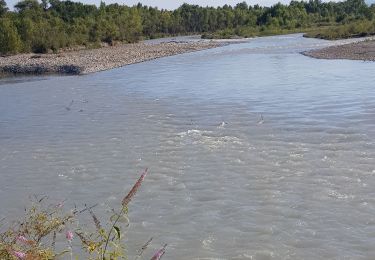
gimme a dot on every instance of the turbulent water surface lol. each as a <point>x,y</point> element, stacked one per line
<point>255,151</point>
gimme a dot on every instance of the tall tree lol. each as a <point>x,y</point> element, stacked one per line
<point>27,5</point>
<point>3,7</point>
<point>10,41</point>
<point>45,25</point>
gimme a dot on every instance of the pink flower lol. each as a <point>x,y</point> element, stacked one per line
<point>134,190</point>
<point>69,235</point>
<point>22,239</point>
<point>19,254</point>
<point>60,205</point>
<point>158,255</point>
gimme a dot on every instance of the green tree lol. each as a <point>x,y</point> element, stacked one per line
<point>27,5</point>
<point>46,25</point>
<point>3,7</point>
<point>10,42</point>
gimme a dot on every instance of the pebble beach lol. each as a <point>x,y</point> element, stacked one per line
<point>362,50</point>
<point>94,60</point>
<point>86,61</point>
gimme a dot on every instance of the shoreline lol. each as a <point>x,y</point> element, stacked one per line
<point>87,61</point>
<point>360,50</point>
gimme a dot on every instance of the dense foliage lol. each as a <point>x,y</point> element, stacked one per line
<point>360,28</point>
<point>53,24</point>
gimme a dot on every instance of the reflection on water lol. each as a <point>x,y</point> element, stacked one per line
<point>255,151</point>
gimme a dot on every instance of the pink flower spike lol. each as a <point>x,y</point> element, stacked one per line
<point>19,254</point>
<point>22,239</point>
<point>69,236</point>
<point>158,255</point>
<point>134,190</point>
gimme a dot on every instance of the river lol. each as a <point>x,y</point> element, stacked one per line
<point>254,150</point>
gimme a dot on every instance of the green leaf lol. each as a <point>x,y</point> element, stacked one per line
<point>118,233</point>
<point>62,253</point>
<point>103,233</point>
<point>122,219</point>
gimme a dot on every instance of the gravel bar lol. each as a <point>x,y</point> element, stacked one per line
<point>94,60</point>
<point>364,50</point>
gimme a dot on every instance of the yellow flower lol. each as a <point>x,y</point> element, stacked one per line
<point>91,247</point>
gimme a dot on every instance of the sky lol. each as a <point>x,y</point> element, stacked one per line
<point>172,4</point>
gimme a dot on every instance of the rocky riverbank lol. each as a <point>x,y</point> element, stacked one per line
<point>363,50</point>
<point>93,60</point>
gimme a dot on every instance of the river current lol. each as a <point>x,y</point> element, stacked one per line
<point>254,150</point>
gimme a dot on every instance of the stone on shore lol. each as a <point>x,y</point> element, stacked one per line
<point>364,50</point>
<point>93,60</point>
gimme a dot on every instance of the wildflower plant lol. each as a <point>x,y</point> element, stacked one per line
<point>34,237</point>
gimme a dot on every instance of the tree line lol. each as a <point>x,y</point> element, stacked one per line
<point>50,25</point>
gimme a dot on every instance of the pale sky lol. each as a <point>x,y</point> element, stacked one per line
<point>172,4</point>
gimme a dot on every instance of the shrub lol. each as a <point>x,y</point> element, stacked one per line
<point>35,236</point>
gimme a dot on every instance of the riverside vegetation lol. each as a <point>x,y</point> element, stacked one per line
<point>51,25</point>
<point>35,237</point>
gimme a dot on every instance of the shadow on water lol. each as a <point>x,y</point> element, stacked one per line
<point>14,79</point>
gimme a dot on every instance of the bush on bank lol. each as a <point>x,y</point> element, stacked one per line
<point>352,30</point>
<point>34,237</point>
